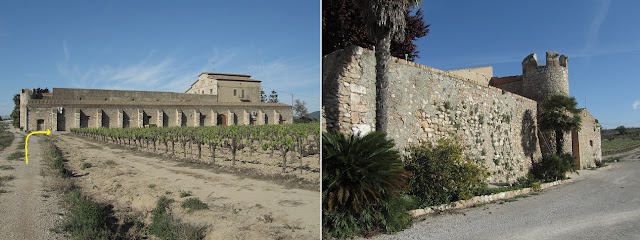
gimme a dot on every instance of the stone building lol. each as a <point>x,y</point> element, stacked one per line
<point>235,101</point>
<point>495,119</point>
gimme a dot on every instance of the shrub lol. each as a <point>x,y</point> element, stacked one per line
<point>361,179</point>
<point>554,167</point>
<point>86,165</point>
<point>86,219</point>
<point>165,226</point>
<point>194,204</point>
<point>441,175</point>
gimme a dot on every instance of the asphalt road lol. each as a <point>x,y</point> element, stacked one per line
<point>599,204</point>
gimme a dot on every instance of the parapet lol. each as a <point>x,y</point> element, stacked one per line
<point>553,60</point>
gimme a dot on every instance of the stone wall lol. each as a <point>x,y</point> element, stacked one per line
<point>496,128</point>
<point>479,75</point>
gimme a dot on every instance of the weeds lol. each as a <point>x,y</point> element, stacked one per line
<point>7,178</point>
<point>185,193</point>
<point>6,167</point>
<point>165,226</point>
<point>152,186</point>
<point>86,165</point>
<point>194,204</point>
<point>16,155</point>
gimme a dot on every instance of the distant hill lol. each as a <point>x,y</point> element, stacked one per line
<point>315,115</point>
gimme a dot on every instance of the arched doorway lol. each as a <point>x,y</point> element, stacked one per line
<point>222,119</point>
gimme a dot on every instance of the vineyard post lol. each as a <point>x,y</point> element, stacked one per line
<point>300,150</point>
<point>233,150</point>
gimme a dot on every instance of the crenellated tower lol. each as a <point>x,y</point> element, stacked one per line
<point>540,82</point>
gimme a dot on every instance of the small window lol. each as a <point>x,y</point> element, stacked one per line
<point>235,92</point>
<point>210,91</point>
<point>202,91</point>
<point>242,93</point>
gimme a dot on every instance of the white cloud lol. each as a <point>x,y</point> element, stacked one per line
<point>602,10</point>
<point>173,74</point>
<point>636,105</point>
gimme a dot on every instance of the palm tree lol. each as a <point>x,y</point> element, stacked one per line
<point>385,20</point>
<point>559,113</point>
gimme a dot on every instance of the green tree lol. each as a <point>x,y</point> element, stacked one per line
<point>273,97</point>
<point>263,96</point>
<point>559,114</point>
<point>300,108</point>
<point>385,20</point>
<point>15,115</point>
<point>621,130</point>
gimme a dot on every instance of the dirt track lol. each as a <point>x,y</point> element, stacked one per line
<point>240,208</point>
<point>27,210</point>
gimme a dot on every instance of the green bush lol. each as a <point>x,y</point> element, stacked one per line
<point>361,179</point>
<point>440,174</point>
<point>165,226</point>
<point>86,219</point>
<point>554,167</point>
<point>194,204</point>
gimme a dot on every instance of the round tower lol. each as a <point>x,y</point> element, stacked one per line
<point>540,82</point>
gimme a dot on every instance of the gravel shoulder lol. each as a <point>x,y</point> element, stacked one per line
<point>28,210</point>
<point>599,204</point>
<point>239,208</point>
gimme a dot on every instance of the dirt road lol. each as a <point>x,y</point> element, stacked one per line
<point>240,208</point>
<point>602,204</point>
<point>27,209</point>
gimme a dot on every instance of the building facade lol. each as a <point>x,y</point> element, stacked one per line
<point>66,108</point>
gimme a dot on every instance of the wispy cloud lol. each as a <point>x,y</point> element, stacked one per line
<point>602,10</point>
<point>175,74</point>
<point>636,105</point>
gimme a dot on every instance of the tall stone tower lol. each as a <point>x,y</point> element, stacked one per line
<point>539,82</point>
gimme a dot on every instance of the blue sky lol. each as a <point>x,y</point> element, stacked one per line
<point>601,39</point>
<point>159,45</point>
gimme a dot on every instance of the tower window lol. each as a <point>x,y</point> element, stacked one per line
<point>235,92</point>
<point>242,93</point>
<point>210,91</point>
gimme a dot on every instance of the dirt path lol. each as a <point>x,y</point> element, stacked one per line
<point>240,208</point>
<point>27,210</point>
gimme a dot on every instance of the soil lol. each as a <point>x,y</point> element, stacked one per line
<point>239,207</point>
<point>28,210</point>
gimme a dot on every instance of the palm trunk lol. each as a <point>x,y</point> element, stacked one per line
<point>383,46</point>
<point>559,142</point>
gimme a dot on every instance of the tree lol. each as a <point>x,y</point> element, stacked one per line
<point>300,108</point>
<point>385,20</point>
<point>273,97</point>
<point>15,115</point>
<point>559,113</point>
<point>263,96</point>
<point>343,26</point>
<point>621,130</point>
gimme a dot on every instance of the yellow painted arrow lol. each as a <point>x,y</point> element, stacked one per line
<point>26,142</point>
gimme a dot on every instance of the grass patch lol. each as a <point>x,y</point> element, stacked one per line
<point>194,204</point>
<point>185,194</point>
<point>165,226</point>
<point>86,165</point>
<point>86,219</point>
<point>16,155</point>
<point>152,186</point>
<point>7,178</point>
<point>6,137</point>
<point>110,163</point>
<point>6,167</point>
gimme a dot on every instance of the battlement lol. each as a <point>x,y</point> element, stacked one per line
<point>553,60</point>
